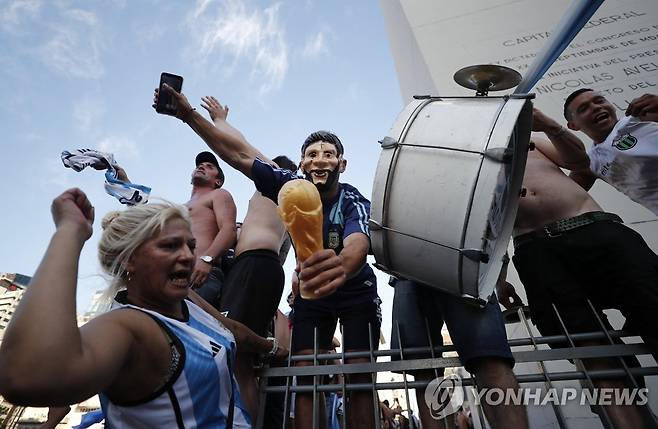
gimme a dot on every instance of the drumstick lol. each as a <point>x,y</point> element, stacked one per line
<point>571,23</point>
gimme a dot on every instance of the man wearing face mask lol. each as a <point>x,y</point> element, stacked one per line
<point>344,283</point>
<point>345,231</point>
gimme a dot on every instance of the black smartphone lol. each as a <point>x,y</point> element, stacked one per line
<point>167,104</point>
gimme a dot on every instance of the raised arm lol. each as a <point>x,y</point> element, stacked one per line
<point>644,108</point>
<point>567,150</point>
<point>44,358</point>
<point>224,140</point>
<point>583,177</point>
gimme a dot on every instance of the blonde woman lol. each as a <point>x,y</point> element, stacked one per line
<point>157,359</point>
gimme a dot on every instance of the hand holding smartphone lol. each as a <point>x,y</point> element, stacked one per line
<point>167,104</point>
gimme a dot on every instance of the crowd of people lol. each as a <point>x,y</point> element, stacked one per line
<point>195,294</point>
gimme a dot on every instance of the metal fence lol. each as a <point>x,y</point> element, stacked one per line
<point>278,382</point>
<point>526,349</point>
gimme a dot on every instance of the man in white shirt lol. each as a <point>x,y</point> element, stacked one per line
<point>625,151</point>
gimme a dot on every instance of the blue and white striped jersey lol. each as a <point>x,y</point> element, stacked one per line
<point>200,392</point>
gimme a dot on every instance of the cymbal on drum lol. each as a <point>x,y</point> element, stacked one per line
<point>487,77</point>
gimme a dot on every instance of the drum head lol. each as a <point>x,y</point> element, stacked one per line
<point>446,190</point>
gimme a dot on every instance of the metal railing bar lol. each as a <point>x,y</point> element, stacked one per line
<point>542,368</point>
<point>552,339</point>
<point>585,352</point>
<point>373,378</point>
<point>344,383</point>
<point>288,397</point>
<point>522,378</point>
<point>404,373</point>
<point>316,417</point>
<point>604,417</point>
<point>610,341</point>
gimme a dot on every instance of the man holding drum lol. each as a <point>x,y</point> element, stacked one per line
<point>567,251</point>
<point>339,275</point>
<point>625,151</point>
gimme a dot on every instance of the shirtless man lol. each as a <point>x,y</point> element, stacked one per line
<point>212,214</point>
<point>338,275</point>
<point>567,250</point>
<point>625,151</point>
<point>324,271</point>
<point>254,284</point>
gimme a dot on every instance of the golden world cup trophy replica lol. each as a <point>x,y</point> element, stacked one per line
<point>300,209</point>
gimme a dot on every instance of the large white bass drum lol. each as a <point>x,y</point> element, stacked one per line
<point>446,191</point>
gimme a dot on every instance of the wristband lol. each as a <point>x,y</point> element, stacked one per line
<point>275,346</point>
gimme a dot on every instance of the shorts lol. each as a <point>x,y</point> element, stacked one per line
<point>253,289</point>
<point>605,262</point>
<point>211,289</point>
<point>360,323</point>
<point>420,312</point>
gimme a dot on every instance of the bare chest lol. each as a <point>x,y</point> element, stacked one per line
<point>200,209</point>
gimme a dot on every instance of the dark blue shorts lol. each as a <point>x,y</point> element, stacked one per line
<point>475,332</point>
<point>360,323</point>
<point>211,289</point>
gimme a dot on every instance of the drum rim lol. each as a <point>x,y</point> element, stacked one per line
<point>382,188</point>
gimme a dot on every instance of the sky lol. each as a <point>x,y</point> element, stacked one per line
<point>82,74</point>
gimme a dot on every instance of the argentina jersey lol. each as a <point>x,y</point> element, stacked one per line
<point>202,392</point>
